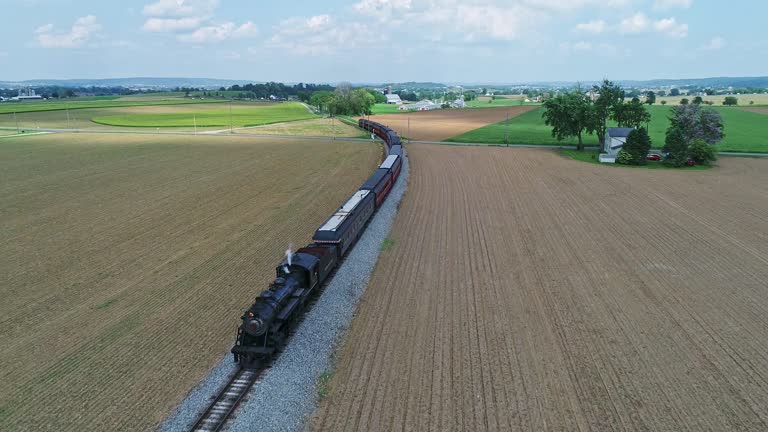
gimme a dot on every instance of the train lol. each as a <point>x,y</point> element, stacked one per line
<point>266,324</point>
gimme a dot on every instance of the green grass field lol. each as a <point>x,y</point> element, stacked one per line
<point>744,131</point>
<point>22,107</point>
<point>241,117</point>
<point>385,109</point>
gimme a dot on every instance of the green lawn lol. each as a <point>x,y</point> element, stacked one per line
<point>744,131</point>
<point>499,102</point>
<point>239,117</point>
<point>385,109</point>
<point>21,107</point>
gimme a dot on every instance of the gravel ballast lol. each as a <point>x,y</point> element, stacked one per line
<point>286,393</point>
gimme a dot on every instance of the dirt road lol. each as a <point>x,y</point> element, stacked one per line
<point>528,292</point>
<point>439,125</point>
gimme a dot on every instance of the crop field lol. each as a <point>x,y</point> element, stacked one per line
<point>523,291</point>
<point>126,262</point>
<point>109,102</point>
<point>245,115</point>
<point>439,125</point>
<point>314,127</point>
<point>744,131</point>
<point>150,117</point>
<point>504,100</point>
<point>743,99</point>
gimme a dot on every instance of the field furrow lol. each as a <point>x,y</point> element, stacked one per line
<point>527,291</point>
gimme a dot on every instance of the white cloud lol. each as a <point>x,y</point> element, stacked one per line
<point>582,46</point>
<point>180,8</point>
<point>178,15</point>
<point>671,4</point>
<point>383,10</point>
<point>637,23</point>
<point>320,35</point>
<point>471,20</point>
<point>716,43</point>
<point>670,27</point>
<point>172,24</point>
<point>570,5</point>
<point>596,27</point>
<point>80,33</point>
<point>220,33</point>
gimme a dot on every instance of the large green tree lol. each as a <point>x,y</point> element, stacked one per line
<point>650,97</point>
<point>570,115</point>
<point>611,95</point>
<point>630,114</point>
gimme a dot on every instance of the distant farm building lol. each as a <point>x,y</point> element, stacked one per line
<point>615,138</point>
<point>393,99</point>
<point>27,94</point>
<point>459,103</point>
<point>424,105</point>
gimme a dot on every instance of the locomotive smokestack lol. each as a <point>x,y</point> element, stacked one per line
<point>288,258</point>
<point>289,253</point>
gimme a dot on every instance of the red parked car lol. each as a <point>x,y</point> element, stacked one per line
<point>653,157</point>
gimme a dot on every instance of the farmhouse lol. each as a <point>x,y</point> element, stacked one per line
<point>393,99</point>
<point>459,103</point>
<point>615,138</point>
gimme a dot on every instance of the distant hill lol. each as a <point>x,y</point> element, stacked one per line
<point>141,82</point>
<point>212,83</point>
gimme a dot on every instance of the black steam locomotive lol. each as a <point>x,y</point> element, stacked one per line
<point>267,322</point>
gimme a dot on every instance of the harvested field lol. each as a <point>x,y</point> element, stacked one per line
<point>758,109</point>
<point>443,124</point>
<point>314,127</point>
<point>526,292</point>
<point>126,262</point>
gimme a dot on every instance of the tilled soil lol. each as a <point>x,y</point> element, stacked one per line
<point>439,125</point>
<point>526,291</point>
<point>127,261</point>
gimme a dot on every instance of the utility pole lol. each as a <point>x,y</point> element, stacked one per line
<point>409,128</point>
<point>16,120</point>
<point>230,117</point>
<point>506,132</point>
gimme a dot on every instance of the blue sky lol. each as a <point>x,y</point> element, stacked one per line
<point>384,40</point>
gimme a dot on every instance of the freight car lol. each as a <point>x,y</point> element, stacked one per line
<point>266,324</point>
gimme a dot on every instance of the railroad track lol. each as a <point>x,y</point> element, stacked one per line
<point>214,418</point>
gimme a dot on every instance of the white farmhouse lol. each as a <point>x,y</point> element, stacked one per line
<point>615,138</point>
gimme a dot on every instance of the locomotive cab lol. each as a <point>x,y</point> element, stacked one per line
<point>303,267</point>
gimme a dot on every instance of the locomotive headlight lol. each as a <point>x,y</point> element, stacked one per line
<point>255,327</point>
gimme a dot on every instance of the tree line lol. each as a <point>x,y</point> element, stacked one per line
<point>690,138</point>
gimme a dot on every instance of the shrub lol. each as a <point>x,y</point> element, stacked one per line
<point>625,158</point>
<point>638,144</point>
<point>701,152</point>
<point>676,147</point>
<point>663,102</point>
<point>684,101</point>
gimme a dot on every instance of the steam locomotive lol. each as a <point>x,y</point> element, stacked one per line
<point>266,324</point>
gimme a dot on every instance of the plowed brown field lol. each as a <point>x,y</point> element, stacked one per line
<point>439,125</point>
<point>529,292</point>
<point>126,261</point>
